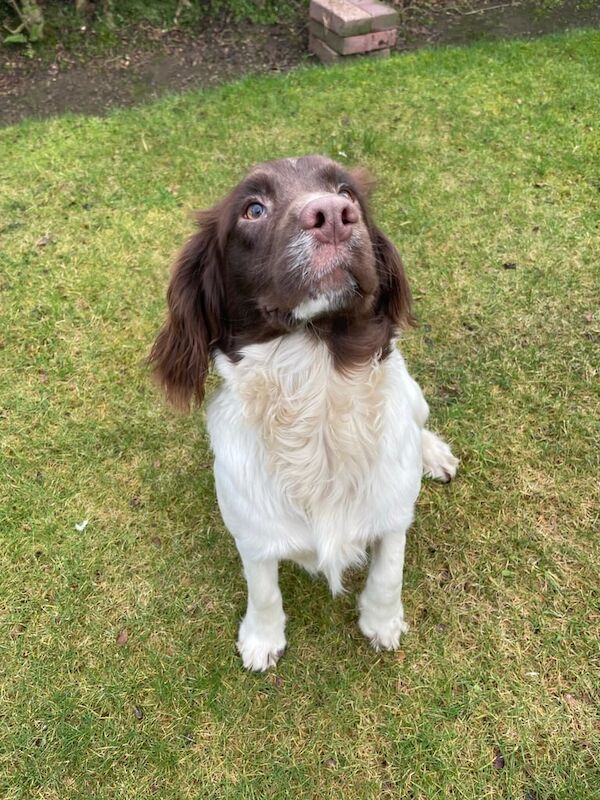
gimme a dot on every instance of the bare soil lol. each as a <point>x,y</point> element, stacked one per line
<point>149,61</point>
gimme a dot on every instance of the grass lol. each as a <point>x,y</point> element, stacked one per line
<point>489,168</point>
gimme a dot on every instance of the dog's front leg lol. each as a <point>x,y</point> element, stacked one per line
<point>261,638</point>
<point>381,612</point>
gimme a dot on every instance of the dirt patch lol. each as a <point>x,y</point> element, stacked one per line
<point>150,61</point>
<point>496,20</point>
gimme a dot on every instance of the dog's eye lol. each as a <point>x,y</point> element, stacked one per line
<point>345,192</point>
<point>254,211</point>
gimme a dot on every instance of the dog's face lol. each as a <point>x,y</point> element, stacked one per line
<point>297,242</point>
<point>291,246</point>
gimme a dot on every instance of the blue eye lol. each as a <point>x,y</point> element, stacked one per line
<point>254,211</point>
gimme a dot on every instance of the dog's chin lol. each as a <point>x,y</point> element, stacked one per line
<point>331,269</point>
<point>326,303</point>
<point>327,257</point>
<point>331,280</point>
<point>334,294</point>
<point>337,279</point>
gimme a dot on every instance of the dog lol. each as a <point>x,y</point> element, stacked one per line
<point>318,430</point>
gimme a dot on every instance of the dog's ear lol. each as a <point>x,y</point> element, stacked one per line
<point>180,356</point>
<point>394,299</point>
<point>394,292</point>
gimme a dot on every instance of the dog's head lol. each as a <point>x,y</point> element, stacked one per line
<point>292,245</point>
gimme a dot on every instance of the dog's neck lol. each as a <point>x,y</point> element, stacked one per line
<point>352,341</point>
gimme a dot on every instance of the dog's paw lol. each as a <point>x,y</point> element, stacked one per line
<point>259,655</point>
<point>438,461</point>
<point>382,630</point>
<point>259,650</point>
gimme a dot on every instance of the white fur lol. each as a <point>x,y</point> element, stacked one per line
<point>313,465</point>
<point>328,301</point>
<point>300,256</point>
<point>438,461</point>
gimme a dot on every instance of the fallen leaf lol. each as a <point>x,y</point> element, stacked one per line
<point>139,714</point>
<point>44,240</point>
<point>498,759</point>
<point>122,637</point>
<point>17,630</point>
<point>570,700</point>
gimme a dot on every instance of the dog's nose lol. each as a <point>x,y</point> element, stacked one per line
<point>329,218</point>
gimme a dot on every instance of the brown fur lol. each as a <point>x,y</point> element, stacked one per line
<point>230,287</point>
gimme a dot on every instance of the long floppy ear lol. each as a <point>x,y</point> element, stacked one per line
<point>180,356</point>
<point>395,298</point>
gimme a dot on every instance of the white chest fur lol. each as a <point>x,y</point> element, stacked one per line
<point>321,428</point>
<point>311,460</point>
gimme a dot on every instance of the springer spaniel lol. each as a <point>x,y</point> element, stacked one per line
<point>317,428</point>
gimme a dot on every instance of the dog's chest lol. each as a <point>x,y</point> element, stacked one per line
<point>321,428</point>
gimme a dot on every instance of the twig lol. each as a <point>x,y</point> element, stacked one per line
<point>491,8</point>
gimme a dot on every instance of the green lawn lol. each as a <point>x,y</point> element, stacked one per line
<point>489,166</point>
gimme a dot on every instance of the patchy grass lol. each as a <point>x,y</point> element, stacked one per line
<point>489,170</point>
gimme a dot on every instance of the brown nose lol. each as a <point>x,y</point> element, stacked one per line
<point>329,218</point>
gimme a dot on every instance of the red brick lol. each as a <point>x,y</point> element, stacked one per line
<point>383,17</point>
<point>328,56</point>
<point>323,52</point>
<point>384,53</point>
<point>341,16</point>
<point>351,45</point>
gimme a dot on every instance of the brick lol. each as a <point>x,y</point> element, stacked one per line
<point>328,56</point>
<point>341,16</point>
<point>352,45</point>
<point>384,53</point>
<point>323,52</point>
<point>383,17</point>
